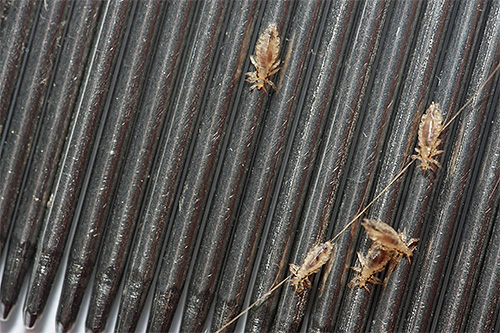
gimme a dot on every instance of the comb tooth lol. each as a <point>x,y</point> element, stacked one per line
<point>30,319</point>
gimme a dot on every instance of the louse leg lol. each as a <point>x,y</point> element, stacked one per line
<point>392,266</point>
<point>436,145</point>
<point>357,281</point>
<point>412,245</point>
<point>424,163</point>
<point>252,77</point>
<point>374,280</point>
<point>272,85</point>
<point>417,156</point>
<point>361,259</point>
<point>274,69</point>
<point>276,64</point>
<point>254,62</point>
<point>307,282</point>
<point>437,152</point>
<point>433,161</point>
<point>356,269</point>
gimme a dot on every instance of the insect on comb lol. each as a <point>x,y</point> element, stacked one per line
<point>393,256</point>
<point>431,126</point>
<point>265,60</point>
<point>315,259</point>
<point>290,277</point>
<point>375,261</point>
<point>383,234</point>
<point>388,248</point>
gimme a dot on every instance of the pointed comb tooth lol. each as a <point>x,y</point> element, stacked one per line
<point>30,319</point>
<point>5,310</point>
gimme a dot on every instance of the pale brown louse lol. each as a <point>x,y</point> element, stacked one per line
<point>375,261</point>
<point>388,248</point>
<point>315,259</point>
<point>265,60</point>
<point>424,161</point>
<point>431,126</point>
<point>383,234</point>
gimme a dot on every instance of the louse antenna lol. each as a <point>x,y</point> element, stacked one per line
<point>267,294</point>
<point>488,79</point>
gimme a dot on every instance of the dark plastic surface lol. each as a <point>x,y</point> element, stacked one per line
<point>47,152</point>
<point>152,151</point>
<point>153,114</point>
<point>76,154</point>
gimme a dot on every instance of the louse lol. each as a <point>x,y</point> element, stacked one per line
<point>388,248</point>
<point>431,126</point>
<point>403,170</point>
<point>315,259</point>
<point>383,234</point>
<point>265,60</point>
<point>375,261</point>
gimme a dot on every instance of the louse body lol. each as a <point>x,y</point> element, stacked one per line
<point>265,60</point>
<point>388,248</point>
<point>386,236</point>
<point>429,130</point>
<point>316,257</point>
<point>375,261</point>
